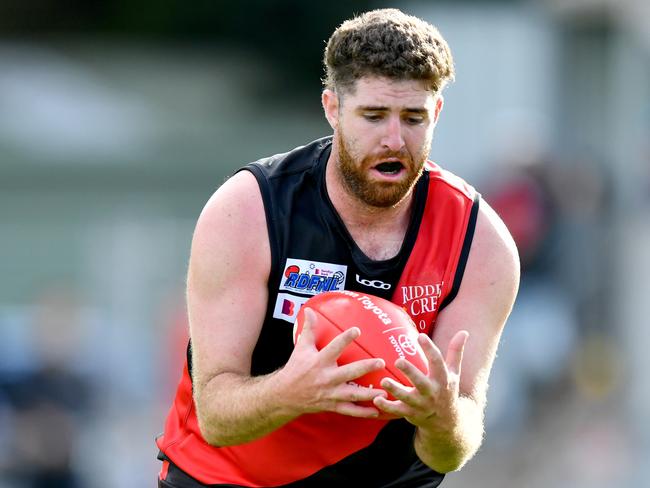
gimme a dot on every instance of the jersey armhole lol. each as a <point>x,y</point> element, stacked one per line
<point>268,211</point>
<point>464,252</point>
<point>270,226</point>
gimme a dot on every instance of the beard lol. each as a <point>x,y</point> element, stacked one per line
<point>381,194</point>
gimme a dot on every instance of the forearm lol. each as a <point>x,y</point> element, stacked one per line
<point>446,446</point>
<point>234,409</point>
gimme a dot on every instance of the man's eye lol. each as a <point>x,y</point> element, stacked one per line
<point>372,117</point>
<point>414,120</point>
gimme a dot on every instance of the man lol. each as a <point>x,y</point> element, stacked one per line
<point>362,210</point>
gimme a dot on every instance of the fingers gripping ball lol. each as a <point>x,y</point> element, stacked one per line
<point>387,332</point>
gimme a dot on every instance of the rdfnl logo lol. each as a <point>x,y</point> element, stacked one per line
<point>312,277</point>
<point>373,283</point>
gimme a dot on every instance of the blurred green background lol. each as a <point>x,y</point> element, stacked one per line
<point>119,119</point>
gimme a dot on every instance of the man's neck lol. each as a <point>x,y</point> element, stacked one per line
<point>377,231</point>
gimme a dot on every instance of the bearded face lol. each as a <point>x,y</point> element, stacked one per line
<point>383,179</point>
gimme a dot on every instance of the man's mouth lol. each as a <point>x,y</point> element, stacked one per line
<point>389,167</point>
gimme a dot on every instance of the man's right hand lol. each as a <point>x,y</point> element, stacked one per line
<point>313,381</point>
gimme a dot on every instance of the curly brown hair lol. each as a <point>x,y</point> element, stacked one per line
<point>389,43</point>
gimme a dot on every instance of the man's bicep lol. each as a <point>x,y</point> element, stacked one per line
<point>483,303</point>
<point>227,279</point>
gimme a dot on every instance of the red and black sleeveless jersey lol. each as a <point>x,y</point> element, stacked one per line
<point>313,252</point>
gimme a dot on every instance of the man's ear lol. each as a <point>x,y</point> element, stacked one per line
<point>440,101</point>
<point>330,102</point>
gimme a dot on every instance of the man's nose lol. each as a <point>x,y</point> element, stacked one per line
<point>393,139</point>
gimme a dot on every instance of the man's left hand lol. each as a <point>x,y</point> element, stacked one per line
<point>432,403</point>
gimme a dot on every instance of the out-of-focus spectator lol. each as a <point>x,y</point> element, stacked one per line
<point>46,402</point>
<point>520,195</point>
<point>541,333</point>
<point>557,213</point>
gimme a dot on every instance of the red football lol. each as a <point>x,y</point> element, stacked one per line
<point>387,332</point>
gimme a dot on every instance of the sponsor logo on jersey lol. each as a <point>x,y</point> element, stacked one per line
<point>421,302</point>
<point>287,307</point>
<point>373,283</point>
<point>421,299</point>
<point>312,277</point>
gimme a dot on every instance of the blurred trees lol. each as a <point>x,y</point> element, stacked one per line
<point>289,33</point>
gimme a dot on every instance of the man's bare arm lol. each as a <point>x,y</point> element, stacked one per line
<point>447,406</point>
<point>227,298</point>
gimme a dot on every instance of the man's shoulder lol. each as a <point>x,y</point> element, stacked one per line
<point>439,175</point>
<point>231,230</point>
<point>494,247</point>
<point>297,160</point>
